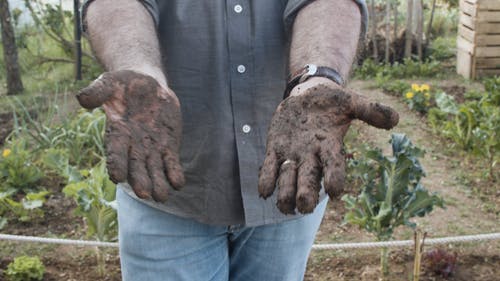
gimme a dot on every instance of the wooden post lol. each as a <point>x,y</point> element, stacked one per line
<point>419,240</point>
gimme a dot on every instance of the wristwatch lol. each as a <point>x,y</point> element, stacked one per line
<point>311,70</point>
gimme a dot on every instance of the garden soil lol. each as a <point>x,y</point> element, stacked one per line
<point>465,214</point>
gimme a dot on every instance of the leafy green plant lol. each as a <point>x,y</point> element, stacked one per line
<point>391,86</point>
<point>486,139</point>
<point>57,160</point>
<point>95,196</point>
<point>492,88</point>
<point>27,209</point>
<point>82,135</point>
<point>393,194</point>
<point>25,268</point>
<point>461,120</point>
<point>407,69</point>
<point>368,69</point>
<point>17,169</point>
<point>472,126</point>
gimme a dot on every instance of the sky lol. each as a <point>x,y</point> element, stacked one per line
<point>26,18</point>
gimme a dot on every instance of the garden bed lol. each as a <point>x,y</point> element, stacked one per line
<point>447,173</point>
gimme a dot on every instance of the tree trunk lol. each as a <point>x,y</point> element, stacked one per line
<point>387,30</point>
<point>429,25</point>
<point>14,83</point>
<point>408,35</point>
<point>78,38</point>
<point>373,33</point>
<point>396,4</point>
<point>420,27</point>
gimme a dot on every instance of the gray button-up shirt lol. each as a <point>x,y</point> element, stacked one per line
<point>226,61</point>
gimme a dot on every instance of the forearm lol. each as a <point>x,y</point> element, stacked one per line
<point>326,33</point>
<point>123,36</point>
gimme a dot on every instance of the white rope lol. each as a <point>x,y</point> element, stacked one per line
<point>405,243</point>
<point>56,241</point>
<point>401,243</point>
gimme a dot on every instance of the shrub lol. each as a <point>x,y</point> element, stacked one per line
<point>443,48</point>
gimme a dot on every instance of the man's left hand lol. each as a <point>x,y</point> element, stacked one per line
<point>305,142</point>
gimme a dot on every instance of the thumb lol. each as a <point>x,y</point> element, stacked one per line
<point>96,94</point>
<point>375,114</point>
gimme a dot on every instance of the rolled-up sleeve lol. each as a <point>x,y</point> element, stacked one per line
<point>293,6</point>
<point>150,5</point>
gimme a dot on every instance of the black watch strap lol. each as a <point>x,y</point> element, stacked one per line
<point>311,70</point>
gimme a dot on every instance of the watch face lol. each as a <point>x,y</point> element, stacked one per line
<point>311,69</point>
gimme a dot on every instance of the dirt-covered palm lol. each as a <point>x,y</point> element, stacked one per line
<point>305,142</point>
<point>143,131</point>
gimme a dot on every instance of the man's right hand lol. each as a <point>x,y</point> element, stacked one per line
<point>143,131</point>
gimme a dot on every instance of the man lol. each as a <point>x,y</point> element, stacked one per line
<point>225,63</point>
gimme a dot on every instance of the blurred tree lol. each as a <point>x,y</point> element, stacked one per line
<point>14,82</point>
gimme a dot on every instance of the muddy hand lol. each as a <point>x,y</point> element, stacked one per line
<point>305,143</point>
<point>143,131</point>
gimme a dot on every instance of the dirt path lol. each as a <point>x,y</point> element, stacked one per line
<point>464,214</point>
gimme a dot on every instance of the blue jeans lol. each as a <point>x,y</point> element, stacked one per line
<point>158,246</point>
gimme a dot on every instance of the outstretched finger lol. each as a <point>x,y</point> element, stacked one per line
<point>117,141</point>
<point>268,174</point>
<point>154,165</point>
<point>97,93</point>
<point>138,176</point>
<point>287,187</point>
<point>308,184</point>
<point>375,114</point>
<point>173,170</point>
<point>333,170</point>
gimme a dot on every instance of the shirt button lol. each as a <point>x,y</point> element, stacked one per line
<point>246,129</point>
<point>238,8</point>
<point>241,68</point>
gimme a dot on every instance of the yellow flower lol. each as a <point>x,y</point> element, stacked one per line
<point>415,87</point>
<point>6,152</point>
<point>427,95</point>
<point>425,87</point>
<point>409,95</point>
